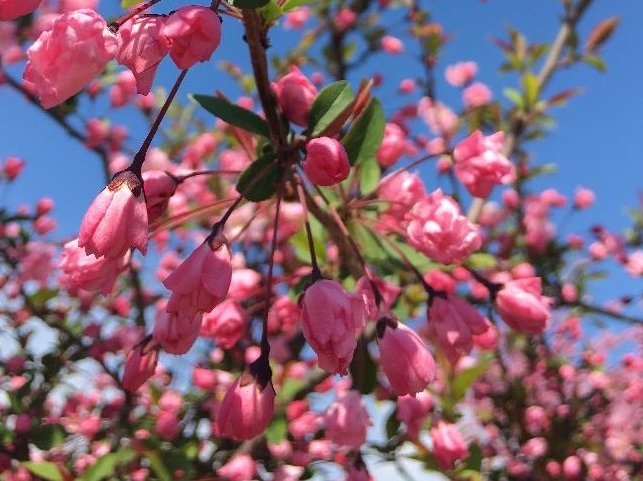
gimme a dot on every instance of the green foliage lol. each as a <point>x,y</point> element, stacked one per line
<point>331,101</point>
<point>233,114</point>
<point>106,466</point>
<point>270,173</point>
<point>129,3</point>
<point>44,469</point>
<point>366,134</point>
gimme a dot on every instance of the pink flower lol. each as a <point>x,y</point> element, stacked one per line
<point>226,324</point>
<point>295,95</point>
<point>476,95</point>
<point>159,188</point>
<point>141,50</point>
<point>460,74</point>
<point>412,411</point>
<point>12,9</point>
<point>202,280</point>
<point>344,18</point>
<point>69,5</point>
<point>167,425</point>
<point>440,118</point>
<point>12,167</point>
<point>87,272</point>
<point>140,366</point>
<point>480,164</point>
<point>329,320</point>
<point>438,229</point>
<point>522,306</point>
<point>452,323</point>
<point>117,219</point>
<point>406,361</point>
<point>191,35</point>
<point>347,420</point>
<point>392,45</point>
<point>393,145</point>
<point>296,18</point>
<point>448,445</point>
<point>402,190</point>
<point>64,59</point>
<point>572,468</point>
<point>176,331</point>
<point>326,161</point>
<point>583,198</point>
<point>240,468</point>
<point>123,89</point>
<point>247,408</point>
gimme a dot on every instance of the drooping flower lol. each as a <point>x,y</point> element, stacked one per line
<point>226,323</point>
<point>448,445</point>
<point>176,332</point>
<point>522,306</point>
<point>140,366</point>
<point>347,420</point>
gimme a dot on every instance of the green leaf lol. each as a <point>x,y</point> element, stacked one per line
<point>157,465</point>
<point>366,134</point>
<point>465,379</point>
<point>369,176</point>
<point>271,11</point>
<point>392,425</point>
<point>106,465</point>
<point>276,432</point>
<point>596,62</point>
<point>248,3</point>
<point>514,96</point>
<point>482,261</point>
<point>331,101</point>
<point>130,3</point>
<point>47,436</point>
<point>531,90</point>
<point>268,171</point>
<point>45,470</point>
<point>292,4</point>
<point>233,114</point>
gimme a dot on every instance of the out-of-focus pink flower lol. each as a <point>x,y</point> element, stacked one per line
<point>407,86</point>
<point>11,9</point>
<point>140,366</point>
<point>141,50</point>
<point>199,148</point>
<point>393,145</point>
<point>70,5</point>
<point>288,473</point>
<point>522,306</point>
<point>123,89</point>
<point>347,420</point>
<point>116,221</point>
<point>488,340</point>
<point>344,18</point>
<point>476,95</point>
<point>572,468</point>
<point>87,272</point>
<point>295,19</point>
<point>240,468</point>
<point>202,280</point>
<point>480,164</point>
<point>448,445</point>
<point>387,290</point>
<point>226,324</point>
<point>460,74</point>
<point>634,263</point>
<point>167,425</point>
<point>295,95</point>
<point>534,448</point>
<point>326,161</point>
<point>392,45</point>
<point>159,188</point>
<point>583,198</point>
<point>246,409</point>
<point>176,332</point>
<point>191,34</point>
<point>405,359</point>
<point>64,59</point>
<point>438,229</point>
<point>12,167</point>
<point>452,323</point>
<point>412,411</point>
<point>402,190</point>
<point>440,118</point>
<point>330,318</point>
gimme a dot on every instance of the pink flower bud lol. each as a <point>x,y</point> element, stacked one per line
<point>247,408</point>
<point>329,320</point>
<point>159,188</point>
<point>12,9</point>
<point>583,198</point>
<point>44,206</point>
<point>347,420</point>
<point>117,219</point>
<point>572,468</point>
<point>452,324</point>
<point>460,74</point>
<point>326,161</point>
<point>480,164</point>
<point>64,59</point>
<point>476,95</point>
<point>176,331</point>
<point>392,45</point>
<point>295,94</point>
<point>226,324</point>
<point>140,366</point>
<point>240,468</point>
<point>140,49</point>
<point>191,34</point>
<point>393,145</point>
<point>12,167</point>
<point>412,411</point>
<point>438,229</point>
<point>402,191</point>
<point>405,359</point>
<point>123,89</point>
<point>296,18</point>
<point>522,306</point>
<point>448,445</point>
<point>344,18</point>
<point>167,425</point>
<point>202,280</point>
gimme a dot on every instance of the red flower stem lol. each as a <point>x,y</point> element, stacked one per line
<point>265,345</point>
<point>316,274</point>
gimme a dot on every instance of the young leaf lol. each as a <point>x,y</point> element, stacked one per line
<point>270,173</point>
<point>129,3</point>
<point>369,176</point>
<point>365,135</point>
<point>330,102</point>
<point>233,114</point>
<point>44,469</point>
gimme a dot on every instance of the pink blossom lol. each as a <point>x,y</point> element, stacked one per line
<point>402,190</point>
<point>295,95</point>
<point>141,50</point>
<point>97,132</point>
<point>407,86</point>
<point>583,198</point>
<point>344,18</point>
<point>202,280</point>
<point>438,229</point>
<point>330,318</point>
<point>347,420</point>
<point>448,445</point>
<point>288,473</point>
<point>392,45</point>
<point>572,468</point>
<point>70,5</point>
<point>326,161</point>
<point>460,74</point>
<point>159,188</point>
<point>12,9</point>
<point>476,95</point>
<point>246,409</point>
<point>87,272</point>
<point>176,331</point>
<point>226,324</point>
<point>388,291</point>
<point>440,118</point>
<point>522,306</point>
<point>167,425</point>
<point>12,167</point>
<point>199,149</point>
<point>116,221</point>
<point>64,59</point>
<point>405,359</point>
<point>296,18</point>
<point>393,145</point>
<point>191,34</point>
<point>413,410</point>
<point>123,89</point>
<point>452,324</point>
<point>240,468</point>
<point>634,263</point>
<point>480,163</point>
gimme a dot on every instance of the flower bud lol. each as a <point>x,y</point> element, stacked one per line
<point>448,445</point>
<point>522,306</point>
<point>295,95</point>
<point>326,161</point>
<point>140,366</point>
<point>347,420</point>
